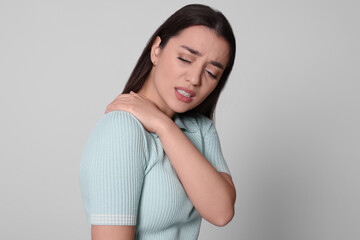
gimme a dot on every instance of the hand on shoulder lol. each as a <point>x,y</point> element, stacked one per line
<point>142,108</point>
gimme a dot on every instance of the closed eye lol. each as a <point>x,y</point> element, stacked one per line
<point>184,60</point>
<point>211,75</point>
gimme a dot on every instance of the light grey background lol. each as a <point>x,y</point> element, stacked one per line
<point>288,118</point>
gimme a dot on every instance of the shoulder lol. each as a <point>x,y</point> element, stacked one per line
<point>119,120</point>
<point>116,133</point>
<point>117,126</point>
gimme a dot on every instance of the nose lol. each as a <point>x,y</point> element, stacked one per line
<point>194,77</point>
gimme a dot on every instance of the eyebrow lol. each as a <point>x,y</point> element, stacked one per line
<point>197,53</point>
<point>193,51</point>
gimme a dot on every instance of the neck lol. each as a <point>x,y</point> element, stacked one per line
<point>151,93</point>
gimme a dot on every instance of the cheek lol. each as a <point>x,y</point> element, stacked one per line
<point>207,91</point>
<point>166,70</point>
<point>211,87</point>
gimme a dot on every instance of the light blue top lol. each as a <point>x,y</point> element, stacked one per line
<point>127,179</point>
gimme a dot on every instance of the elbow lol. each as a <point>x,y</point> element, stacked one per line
<point>226,214</point>
<point>224,218</point>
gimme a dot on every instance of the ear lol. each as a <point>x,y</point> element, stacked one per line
<point>155,50</point>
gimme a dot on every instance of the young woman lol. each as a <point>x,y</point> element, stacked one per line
<point>152,167</point>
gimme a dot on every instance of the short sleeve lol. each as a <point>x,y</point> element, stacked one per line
<point>212,150</point>
<point>112,170</point>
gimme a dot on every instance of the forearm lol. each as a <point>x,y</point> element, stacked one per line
<point>211,192</point>
<point>112,232</point>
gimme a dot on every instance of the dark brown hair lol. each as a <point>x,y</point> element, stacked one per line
<point>190,15</point>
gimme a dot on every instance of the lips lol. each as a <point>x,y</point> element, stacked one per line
<point>186,90</point>
<point>184,94</point>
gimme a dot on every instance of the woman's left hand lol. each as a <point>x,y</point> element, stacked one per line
<point>142,108</point>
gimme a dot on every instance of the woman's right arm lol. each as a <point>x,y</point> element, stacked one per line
<point>104,232</point>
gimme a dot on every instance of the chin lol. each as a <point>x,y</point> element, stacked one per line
<point>180,109</point>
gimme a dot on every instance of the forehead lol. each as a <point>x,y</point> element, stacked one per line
<point>204,40</point>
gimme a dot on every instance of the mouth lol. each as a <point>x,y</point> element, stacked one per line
<point>184,94</point>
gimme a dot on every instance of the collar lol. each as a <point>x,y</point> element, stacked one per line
<point>185,123</point>
<point>188,124</point>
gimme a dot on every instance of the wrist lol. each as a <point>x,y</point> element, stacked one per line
<point>165,125</point>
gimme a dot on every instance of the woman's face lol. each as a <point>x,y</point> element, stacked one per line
<point>186,70</point>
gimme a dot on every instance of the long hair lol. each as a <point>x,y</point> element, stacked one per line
<point>190,15</point>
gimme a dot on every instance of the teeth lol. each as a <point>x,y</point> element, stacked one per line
<point>182,92</point>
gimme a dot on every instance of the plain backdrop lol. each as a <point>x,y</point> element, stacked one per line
<point>288,119</point>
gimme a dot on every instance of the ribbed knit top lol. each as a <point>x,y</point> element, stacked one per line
<point>127,179</point>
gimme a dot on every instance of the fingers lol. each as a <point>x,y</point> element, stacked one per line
<point>127,102</point>
<point>121,102</point>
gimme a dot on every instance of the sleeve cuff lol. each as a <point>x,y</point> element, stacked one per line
<point>112,219</point>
